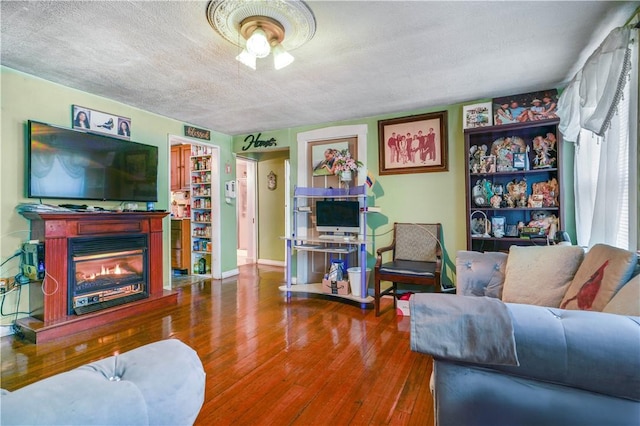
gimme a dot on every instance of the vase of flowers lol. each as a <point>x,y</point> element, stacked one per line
<point>346,166</point>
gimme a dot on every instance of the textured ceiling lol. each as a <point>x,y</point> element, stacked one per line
<point>366,58</point>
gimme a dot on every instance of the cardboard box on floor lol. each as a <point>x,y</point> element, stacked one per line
<point>335,287</point>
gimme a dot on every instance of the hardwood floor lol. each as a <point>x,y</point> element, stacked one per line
<point>269,361</point>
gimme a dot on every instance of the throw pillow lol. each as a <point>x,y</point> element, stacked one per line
<point>627,299</point>
<point>540,275</point>
<point>604,270</point>
<point>480,274</point>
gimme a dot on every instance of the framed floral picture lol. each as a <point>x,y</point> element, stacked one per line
<point>414,144</point>
<point>477,115</point>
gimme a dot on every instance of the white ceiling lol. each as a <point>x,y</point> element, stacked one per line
<point>366,58</point>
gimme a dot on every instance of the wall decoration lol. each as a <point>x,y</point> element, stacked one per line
<point>254,141</point>
<point>100,122</point>
<point>526,107</point>
<point>272,181</point>
<point>197,133</point>
<point>415,144</point>
<point>477,115</point>
<point>323,158</point>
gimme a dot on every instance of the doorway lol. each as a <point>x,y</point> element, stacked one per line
<point>246,211</point>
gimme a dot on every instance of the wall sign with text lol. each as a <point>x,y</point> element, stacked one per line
<point>194,132</point>
<point>253,141</point>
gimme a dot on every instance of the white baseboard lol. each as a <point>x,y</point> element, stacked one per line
<point>6,330</point>
<point>231,273</point>
<point>269,262</point>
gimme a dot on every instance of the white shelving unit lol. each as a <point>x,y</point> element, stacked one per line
<point>201,209</point>
<point>304,240</point>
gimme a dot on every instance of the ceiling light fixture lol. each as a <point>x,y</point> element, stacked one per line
<point>259,27</point>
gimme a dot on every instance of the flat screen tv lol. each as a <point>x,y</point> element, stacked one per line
<point>338,217</point>
<point>72,164</point>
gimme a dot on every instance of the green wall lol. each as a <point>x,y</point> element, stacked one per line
<point>25,97</point>
<point>420,197</point>
<point>271,212</point>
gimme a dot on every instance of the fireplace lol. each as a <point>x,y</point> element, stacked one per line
<point>129,241</point>
<point>106,272</point>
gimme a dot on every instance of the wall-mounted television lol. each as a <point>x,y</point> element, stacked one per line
<point>338,217</point>
<point>73,164</point>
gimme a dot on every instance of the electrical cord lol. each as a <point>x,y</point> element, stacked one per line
<point>14,255</point>
<point>46,274</point>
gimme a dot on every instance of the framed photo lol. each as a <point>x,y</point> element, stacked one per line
<point>415,144</point>
<point>498,224</point>
<point>488,164</point>
<point>526,107</point>
<point>477,115</point>
<point>100,122</point>
<point>519,160</point>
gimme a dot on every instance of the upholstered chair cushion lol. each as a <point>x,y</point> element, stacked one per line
<point>604,270</point>
<point>416,242</point>
<point>540,275</point>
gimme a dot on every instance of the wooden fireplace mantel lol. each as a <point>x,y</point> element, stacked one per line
<point>55,229</point>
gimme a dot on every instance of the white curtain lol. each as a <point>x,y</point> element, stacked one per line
<point>595,113</point>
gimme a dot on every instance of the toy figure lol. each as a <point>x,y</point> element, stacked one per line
<point>545,221</point>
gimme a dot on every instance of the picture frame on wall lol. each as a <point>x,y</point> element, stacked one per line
<point>526,107</point>
<point>413,144</point>
<point>84,118</point>
<point>477,115</point>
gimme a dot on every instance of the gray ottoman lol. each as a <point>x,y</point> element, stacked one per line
<point>157,384</point>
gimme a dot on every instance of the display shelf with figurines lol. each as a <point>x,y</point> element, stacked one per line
<point>513,185</point>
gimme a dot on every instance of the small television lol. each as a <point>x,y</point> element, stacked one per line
<point>73,164</point>
<point>338,217</point>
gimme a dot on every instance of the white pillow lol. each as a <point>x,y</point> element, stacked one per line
<point>540,275</point>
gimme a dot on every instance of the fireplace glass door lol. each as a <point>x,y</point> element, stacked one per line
<point>107,277</point>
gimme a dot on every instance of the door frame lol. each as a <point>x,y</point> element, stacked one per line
<point>252,205</point>
<point>216,252</point>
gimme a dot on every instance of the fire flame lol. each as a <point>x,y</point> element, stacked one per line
<point>106,271</point>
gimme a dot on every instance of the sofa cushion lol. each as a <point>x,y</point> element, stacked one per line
<point>627,299</point>
<point>604,270</point>
<point>540,275</point>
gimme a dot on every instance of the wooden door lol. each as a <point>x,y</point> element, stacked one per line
<point>185,171</point>
<point>175,168</point>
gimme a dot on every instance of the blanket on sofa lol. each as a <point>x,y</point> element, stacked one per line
<point>463,328</point>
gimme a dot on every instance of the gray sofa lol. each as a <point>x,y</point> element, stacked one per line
<point>498,363</point>
<point>157,384</point>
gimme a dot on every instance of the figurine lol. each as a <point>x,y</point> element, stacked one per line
<point>496,200</point>
<point>515,191</point>
<point>548,223</point>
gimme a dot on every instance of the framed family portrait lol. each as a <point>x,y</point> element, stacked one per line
<point>414,144</point>
<point>84,118</point>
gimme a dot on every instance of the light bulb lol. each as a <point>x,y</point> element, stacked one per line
<point>258,44</point>
<point>247,59</point>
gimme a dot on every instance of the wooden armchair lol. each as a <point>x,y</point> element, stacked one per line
<point>416,259</point>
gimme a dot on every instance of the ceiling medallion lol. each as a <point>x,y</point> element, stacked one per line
<point>263,27</point>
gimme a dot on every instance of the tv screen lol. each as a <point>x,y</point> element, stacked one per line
<point>338,216</point>
<point>72,164</point>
